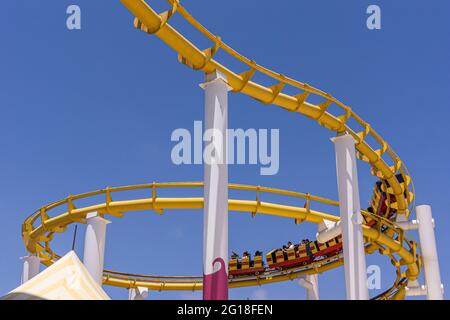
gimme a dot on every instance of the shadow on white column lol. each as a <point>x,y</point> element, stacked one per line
<point>94,245</point>
<point>31,265</point>
<point>311,283</point>
<point>215,229</point>
<point>434,287</point>
<point>351,218</point>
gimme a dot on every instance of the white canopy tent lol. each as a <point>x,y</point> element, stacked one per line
<point>66,279</point>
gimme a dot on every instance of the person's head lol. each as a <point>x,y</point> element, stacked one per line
<point>289,243</point>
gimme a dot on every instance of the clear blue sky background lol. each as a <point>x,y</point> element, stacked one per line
<point>81,110</point>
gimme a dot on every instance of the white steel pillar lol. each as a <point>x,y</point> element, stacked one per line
<point>94,245</point>
<point>215,229</point>
<point>429,253</point>
<point>31,266</point>
<point>139,293</point>
<point>311,283</point>
<point>351,219</point>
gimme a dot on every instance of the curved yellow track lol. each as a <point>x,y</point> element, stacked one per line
<point>385,164</point>
<point>39,229</point>
<point>384,161</point>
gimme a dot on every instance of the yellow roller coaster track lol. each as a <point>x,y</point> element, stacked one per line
<point>39,228</point>
<point>384,161</point>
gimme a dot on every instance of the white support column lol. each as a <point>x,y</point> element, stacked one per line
<point>139,293</point>
<point>429,253</point>
<point>328,230</point>
<point>94,245</point>
<point>311,283</point>
<point>215,229</point>
<point>31,266</point>
<point>351,219</point>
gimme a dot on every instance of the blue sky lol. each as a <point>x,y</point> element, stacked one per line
<point>81,110</point>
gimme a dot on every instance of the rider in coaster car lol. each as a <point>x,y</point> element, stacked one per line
<point>288,246</point>
<point>308,249</point>
<point>258,254</point>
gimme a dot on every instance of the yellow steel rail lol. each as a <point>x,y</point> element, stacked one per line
<point>384,161</point>
<point>39,228</point>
